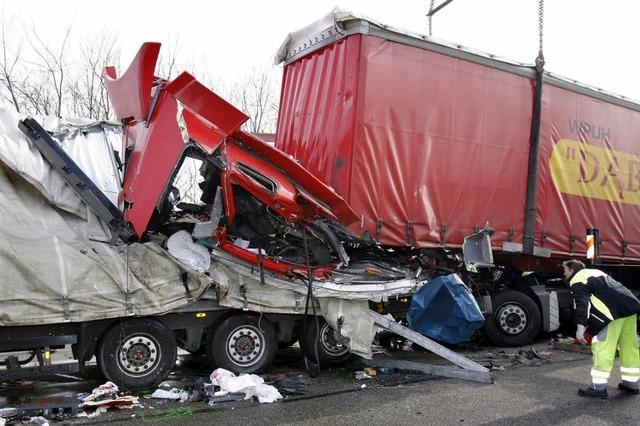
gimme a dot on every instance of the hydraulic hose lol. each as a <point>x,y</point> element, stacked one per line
<point>308,364</point>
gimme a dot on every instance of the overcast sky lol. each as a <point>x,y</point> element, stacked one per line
<point>595,42</point>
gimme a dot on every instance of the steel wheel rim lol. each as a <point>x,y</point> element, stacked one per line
<point>329,341</point>
<point>245,345</point>
<point>139,354</point>
<point>512,318</point>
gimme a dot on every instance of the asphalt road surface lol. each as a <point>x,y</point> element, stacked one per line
<point>530,392</point>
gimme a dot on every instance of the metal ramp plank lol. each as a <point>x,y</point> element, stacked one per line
<point>471,370</point>
<point>434,370</point>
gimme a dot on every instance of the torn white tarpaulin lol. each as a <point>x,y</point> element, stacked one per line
<point>52,272</point>
<point>356,324</point>
<point>277,294</point>
<point>89,144</point>
<point>226,269</point>
<point>305,36</point>
<point>92,148</point>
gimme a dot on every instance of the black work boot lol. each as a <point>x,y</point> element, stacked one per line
<point>592,392</point>
<point>628,389</point>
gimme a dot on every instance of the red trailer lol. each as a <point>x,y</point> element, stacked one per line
<point>429,141</point>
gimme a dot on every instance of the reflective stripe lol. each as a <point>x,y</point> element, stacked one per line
<point>598,381</point>
<point>582,275</point>
<point>599,305</point>
<point>600,374</point>
<point>630,370</point>
<point>632,379</point>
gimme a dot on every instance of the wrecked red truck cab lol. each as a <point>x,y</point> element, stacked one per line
<point>271,204</point>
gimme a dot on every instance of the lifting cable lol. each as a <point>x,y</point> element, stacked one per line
<point>430,15</point>
<point>313,369</point>
<point>540,58</point>
<point>528,241</point>
<point>433,10</point>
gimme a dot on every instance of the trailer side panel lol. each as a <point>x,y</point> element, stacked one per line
<point>440,147</point>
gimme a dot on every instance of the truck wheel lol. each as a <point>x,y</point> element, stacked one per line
<point>137,353</point>
<point>515,320</point>
<point>329,350</point>
<point>242,344</point>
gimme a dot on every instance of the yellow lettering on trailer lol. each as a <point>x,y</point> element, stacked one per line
<point>591,171</point>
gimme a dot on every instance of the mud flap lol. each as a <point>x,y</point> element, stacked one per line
<point>550,308</point>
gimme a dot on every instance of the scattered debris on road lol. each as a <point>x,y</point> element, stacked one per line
<point>249,384</point>
<point>361,375</point>
<point>570,344</point>
<point>108,395</point>
<point>173,394</point>
<point>288,386</point>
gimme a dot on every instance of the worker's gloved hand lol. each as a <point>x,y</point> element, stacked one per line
<point>580,334</point>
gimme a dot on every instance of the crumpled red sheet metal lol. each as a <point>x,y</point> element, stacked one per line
<point>155,135</point>
<point>182,111</point>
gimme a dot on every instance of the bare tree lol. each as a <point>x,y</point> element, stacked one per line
<point>37,96</point>
<point>8,77</point>
<point>255,95</point>
<point>87,88</point>
<point>45,79</point>
<point>53,63</point>
<point>168,60</point>
<point>187,180</point>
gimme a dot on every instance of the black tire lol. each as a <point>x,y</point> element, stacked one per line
<point>242,344</point>
<point>329,351</point>
<point>515,320</point>
<point>137,353</point>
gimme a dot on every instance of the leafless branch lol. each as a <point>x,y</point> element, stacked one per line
<point>255,95</point>
<point>54,65</point>
<point>8,65</point>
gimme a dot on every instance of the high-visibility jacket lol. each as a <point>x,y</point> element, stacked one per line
<point>599,299</point>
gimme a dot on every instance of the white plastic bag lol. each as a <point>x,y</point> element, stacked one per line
<point>249,384</point>
<point>267,394</point>
<point>173,394</point>
<point>182,247</point>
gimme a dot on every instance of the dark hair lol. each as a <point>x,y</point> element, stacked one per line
<point>574,265</point>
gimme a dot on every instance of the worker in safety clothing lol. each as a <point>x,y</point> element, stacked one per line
<point>609,311</point>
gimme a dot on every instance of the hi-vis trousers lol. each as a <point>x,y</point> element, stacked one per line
<point>618,334</point>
